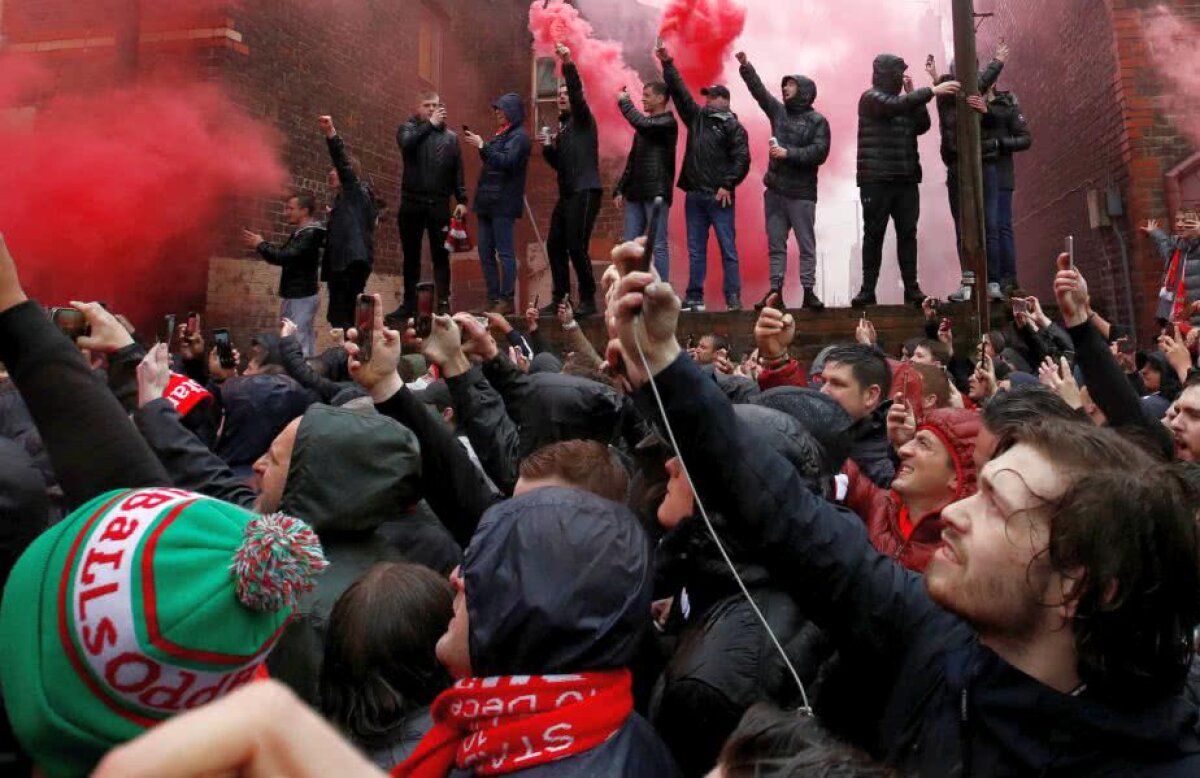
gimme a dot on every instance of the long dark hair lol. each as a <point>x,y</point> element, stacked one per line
<point>379,661</point>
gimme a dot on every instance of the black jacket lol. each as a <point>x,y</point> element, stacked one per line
<point>433,169</point>
<point>947,107</point>
<point>888,126</point>
<point>300,258</point>
<point>559,581</point>
<point>650,169</point>
<point>954,707</point>
<point>351,228</point>
<point>1005,132</point>
<point>870,449</point>
<point>718,149</point>
<point>575,152</point>
<point>256,409</point>
<point>797,128</point>
<point>501,188</point>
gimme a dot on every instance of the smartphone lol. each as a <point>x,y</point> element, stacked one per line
<point>658,42</point>
<point>656,215</point>
<point>424,309</point>
<point>71,322</point>
<point>691,342</point>
<point>1020,306</point>
<point>193,324</point>
<point>1070,249</point>
<point>224,347</point>
<point>929,61</point>
<point>168,334</point>
<point>364,322</point>
<point>537,298</point>
<point>912,394</point>
<point>773,142</point>
<point>466,128</point>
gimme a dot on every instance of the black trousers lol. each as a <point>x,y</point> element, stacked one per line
<point>417,219</point>
<point>344,289</point>
<point>952,193</point>
<point>901,203</point>
<point>570,233</point>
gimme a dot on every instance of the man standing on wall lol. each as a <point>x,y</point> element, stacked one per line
<point>889,170</point>
<point>574,152</point>
<point>300,258</point>
<point>650,169</point>
<point>800,145</point>
<point>433,172</point>
<point>350,247</point>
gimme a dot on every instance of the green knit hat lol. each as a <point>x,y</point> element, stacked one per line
<point>140,605</point>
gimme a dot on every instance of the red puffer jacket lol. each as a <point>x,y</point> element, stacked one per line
<point>912,541</point>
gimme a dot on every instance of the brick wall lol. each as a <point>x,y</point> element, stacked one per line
<point>1102,119</point>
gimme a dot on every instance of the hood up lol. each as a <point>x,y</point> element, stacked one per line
<point>567,407</point>
<point>351,471</point>
<point>257,408</point>
<point>558,581</point>
<point>806,93</point>
<point>512,107</point>
<point>888,73</point>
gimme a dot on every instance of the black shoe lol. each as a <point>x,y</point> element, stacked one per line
<point>549,310</point>
<point>733,302</point>
<point>863,299</point>
<point>812,302</point>
<point>586,308</point>
<point>399,317</point>
<point>779,306</point>
<point>695,306</point>
<point>914,296</point>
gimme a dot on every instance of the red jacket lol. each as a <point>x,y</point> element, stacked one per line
<point>791,374</point>
<point>912,541</point>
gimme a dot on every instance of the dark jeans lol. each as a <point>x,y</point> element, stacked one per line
<point>416,220</point>
<point>901,203</point>
<point>344,289</point>
<point>1001,247</point>
<point>637,221</point>
<point>496,242</point>
<point>702,212</point>
<point>570,233</point>
<point>952,191</point>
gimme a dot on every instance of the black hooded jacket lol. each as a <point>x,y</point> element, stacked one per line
<point>1005,132</point>
<point>501,188</point>
<point>888,126</point>
<point>575,153</point>
<point>947,107</point>
<point>799,129</point>
<point>300,258</point>
<point>718,149</point>
<point>433,168</point>
<point>650,169</point>
<point>350,239</point>
<point>559,581</point>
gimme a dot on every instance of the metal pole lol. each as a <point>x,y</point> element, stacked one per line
<point>970,163</point>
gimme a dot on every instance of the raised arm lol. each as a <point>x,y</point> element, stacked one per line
<point>881,105</point>
<point>660,126</point>
<point>87,435</point>
<point>481,414</point>
<point>580,112</point>
<point>685,104</point>
<point>770,104</point>
<point>339,155</point>
<point>303,242</point>
<point>412,134</point>
<point>990,75</point>
<point>291,355</point>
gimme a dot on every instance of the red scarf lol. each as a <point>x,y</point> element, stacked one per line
<point>507,723</point>
<point>1175,288</point>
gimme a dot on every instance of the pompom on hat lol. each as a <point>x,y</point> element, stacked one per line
<point>140,605</point>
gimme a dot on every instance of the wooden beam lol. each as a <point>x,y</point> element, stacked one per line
<point>970,163</point>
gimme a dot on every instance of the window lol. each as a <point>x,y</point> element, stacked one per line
<point>429,47</point>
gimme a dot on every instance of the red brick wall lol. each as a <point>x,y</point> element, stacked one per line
<point>1101,118</point>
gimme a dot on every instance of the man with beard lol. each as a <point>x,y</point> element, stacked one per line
<point>1052,632</point>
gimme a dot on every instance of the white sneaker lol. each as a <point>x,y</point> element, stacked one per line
<point>994,292</point>
<point>963,295</point>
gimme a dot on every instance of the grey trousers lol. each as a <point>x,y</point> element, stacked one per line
<point>786,215</point>
<point>302,311</point>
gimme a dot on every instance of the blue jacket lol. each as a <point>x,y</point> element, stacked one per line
<point>949,705</point>
<point>501,188</point>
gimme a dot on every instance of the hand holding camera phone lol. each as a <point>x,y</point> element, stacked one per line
<point>224,348</point>
<point>71,322</point>
<point>424,323</point>
<point>364,323</point>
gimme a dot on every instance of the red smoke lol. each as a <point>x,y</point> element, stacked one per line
<point>700,35</point>
<point>601,67</point>
<point>118,195</point>
<point>1171,43</point>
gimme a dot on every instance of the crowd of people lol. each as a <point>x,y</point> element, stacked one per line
<point>715,164</point>
<point>463,552</point>
<point>466,554</point>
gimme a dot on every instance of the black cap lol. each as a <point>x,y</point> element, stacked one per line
<point>716,90</point>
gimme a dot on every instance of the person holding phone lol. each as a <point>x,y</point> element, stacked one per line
<point>500,197</point>
<point>350,243</point>
<point>1180,293</point>
<point>650,168</point>
<point>300,260</point>
<point>801,146</point>
<point>433,173</point>
<point>574,153</point>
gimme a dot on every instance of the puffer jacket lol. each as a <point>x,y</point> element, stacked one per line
<point>885,514</point>
<point>947,107</point>
<point>433,169</point>
<point>650,169</point>
<point>951,706</point>
<point>350,236</point>
<point>718,149</point>
<point>501,188</point>
<point>1005,132</point>
<point>575,152</point>
<point>799,129</point>
<point>888,126</point>
<point>1189,254</point>
<point>300,258</point>
<point>559,581</point>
